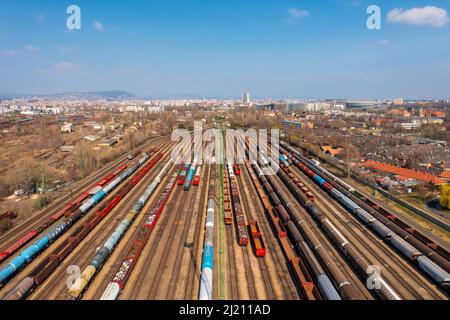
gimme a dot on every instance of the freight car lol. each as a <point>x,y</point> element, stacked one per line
<point>237,169</point>
<point>135,249</point>
<point>196,181</point>
<point>228,209</point>
<point>430,268</point>
<point>182,176</point>
<point>68,209</point>
<point>206,278</point>
<point>29,253</point>
<point>324,284</point>
<point>110,244</point>
<point>385,292</point>
<point>134,154</point>
<point>257,240</point>
<point>190,175</point>
<point>238,212</point>
<point>51,262</point>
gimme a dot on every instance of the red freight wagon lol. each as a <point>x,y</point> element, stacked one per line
<point>258,242</point>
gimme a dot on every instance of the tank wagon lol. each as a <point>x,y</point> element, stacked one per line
<point>428,247</point>
<point>190,175</point>
<point>359,263</point>
<point>206,278</point>
<point>135,249</point>
<point>113,240</point>
<point>385,292</point>
<point>410,251</point>
<point>324,283</point>
<point>67,210</point>
<point>42,271</point>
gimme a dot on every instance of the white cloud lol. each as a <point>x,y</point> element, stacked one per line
<point>64,49</point>
<point>99,26</point>
<point>10,53</point>
<point>426,16</point>
<point>295,13</point>
<point>59,68</point>
<point>31,48</point>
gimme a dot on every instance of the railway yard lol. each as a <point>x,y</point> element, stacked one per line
<point>147,228</point>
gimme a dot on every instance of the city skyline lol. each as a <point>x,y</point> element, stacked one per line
<point>298,49</point>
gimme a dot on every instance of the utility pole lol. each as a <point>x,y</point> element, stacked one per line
<point>82,169</point>
<point>349,173</point>
<point>43,191</point>
<point>38,199</point>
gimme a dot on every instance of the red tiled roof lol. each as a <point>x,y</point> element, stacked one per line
<point>445,174</point>
<point>412,174</point>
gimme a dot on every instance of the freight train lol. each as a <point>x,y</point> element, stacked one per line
<point>190,175</point>
<point>27,255</point>
<point>323,281</point>
<point>346,289</point>
<point>206,278</point>
<point>237,206</point>
<point>428,247</point>
<point>134,251</point>
<point>359,263</point>
<point>430,268</point>
<point>110,244</point>
<point>184,172</point>
<point>134,154</point>
<point>66,211</point>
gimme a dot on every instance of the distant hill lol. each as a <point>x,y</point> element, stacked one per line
<point>113,95</point>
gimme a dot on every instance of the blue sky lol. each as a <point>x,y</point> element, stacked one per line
<point>298,49</point>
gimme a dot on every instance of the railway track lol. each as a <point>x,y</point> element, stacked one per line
<point>152,267</point>
<point>106,274</point>
<point>63,238</point>
<point>412,285</point>
<point>340,262</point>
<point>177,244</point>
<point>182,286</point>
<point>273,270</point>
<point>232,276</point>
<point>56,287</point>
<point>255,273</point>
<point>90,243</point>
<point>37,219</point>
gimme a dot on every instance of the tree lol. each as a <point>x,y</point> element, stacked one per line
<point>445,197</point>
